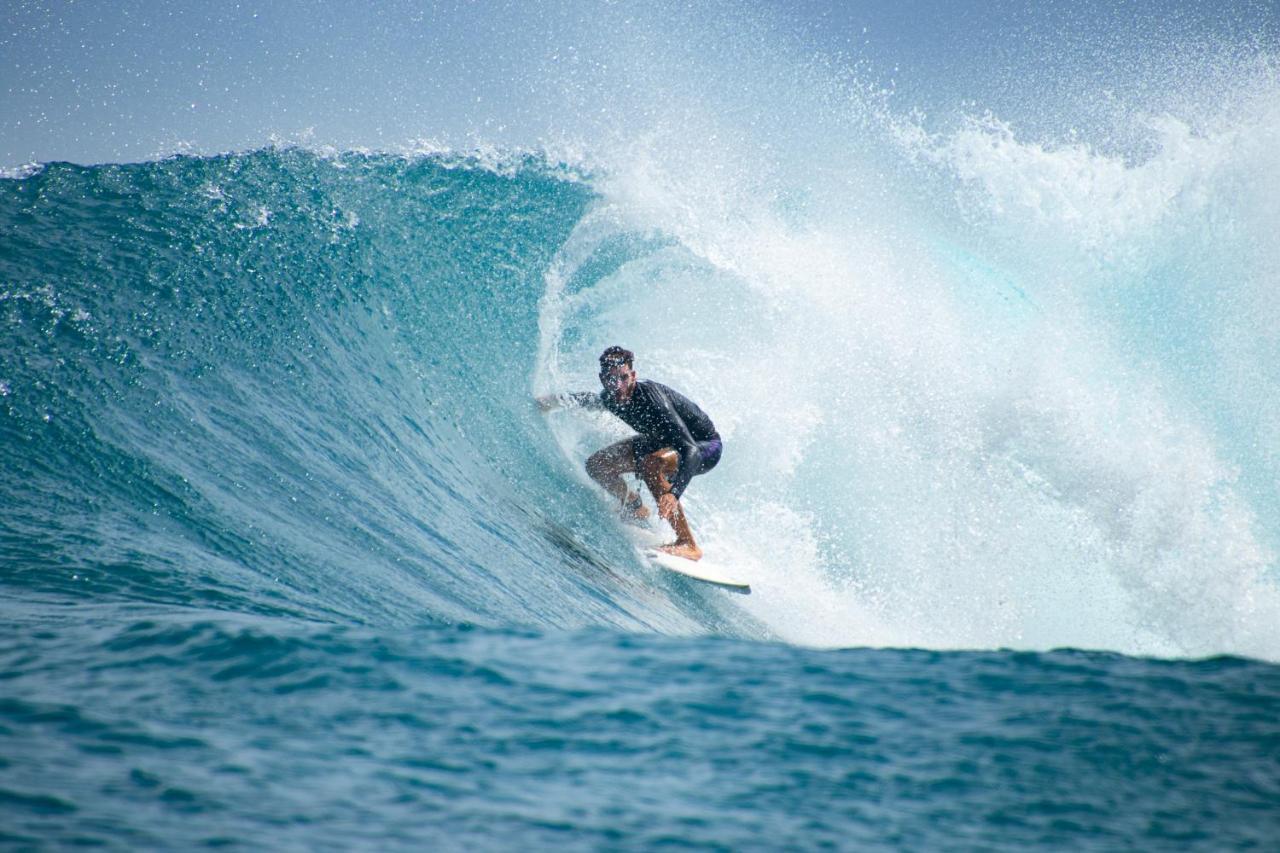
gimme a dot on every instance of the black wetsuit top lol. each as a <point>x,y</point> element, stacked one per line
<point>666,418</point>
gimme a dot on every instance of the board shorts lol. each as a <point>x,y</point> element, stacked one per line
<point>704,458</point>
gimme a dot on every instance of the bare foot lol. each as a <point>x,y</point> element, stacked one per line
<point>689,552</point>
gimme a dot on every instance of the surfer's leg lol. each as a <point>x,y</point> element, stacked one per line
<point>684,546</point>
<point>607,465</point>
<point>657,469</point>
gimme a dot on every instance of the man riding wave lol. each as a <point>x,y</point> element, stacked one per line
<point>675,442</point>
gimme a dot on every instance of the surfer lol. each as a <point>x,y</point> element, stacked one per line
<point>676,441</point>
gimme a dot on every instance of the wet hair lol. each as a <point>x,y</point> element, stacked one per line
<point>614,356</point>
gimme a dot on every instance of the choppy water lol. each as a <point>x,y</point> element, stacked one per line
<point>289,560</point>
<point>145,729</point>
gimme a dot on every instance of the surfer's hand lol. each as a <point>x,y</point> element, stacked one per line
<point>667,506</point>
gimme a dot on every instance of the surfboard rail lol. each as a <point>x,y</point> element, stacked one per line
<point>701,570</point>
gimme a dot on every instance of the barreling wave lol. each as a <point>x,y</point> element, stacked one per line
<point>293,383</point>
<point>284,383</point>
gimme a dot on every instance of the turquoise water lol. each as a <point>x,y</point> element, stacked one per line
<point>289,559</point>
<point>145,727</point>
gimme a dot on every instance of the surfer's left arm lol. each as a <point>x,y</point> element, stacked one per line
<point>581,399</point>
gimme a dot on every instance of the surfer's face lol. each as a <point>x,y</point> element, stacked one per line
<point>618,380</point>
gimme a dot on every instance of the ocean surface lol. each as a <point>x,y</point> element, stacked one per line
<point>290,560</point>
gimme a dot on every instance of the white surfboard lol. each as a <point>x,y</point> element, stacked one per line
<point>699,570</point>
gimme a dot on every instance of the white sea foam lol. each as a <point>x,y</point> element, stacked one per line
<point>958,421</point>
<point>17,173</point>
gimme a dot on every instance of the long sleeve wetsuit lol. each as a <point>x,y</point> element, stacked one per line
<point>664,418</point>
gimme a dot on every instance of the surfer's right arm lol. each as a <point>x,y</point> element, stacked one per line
<point>578,399</point>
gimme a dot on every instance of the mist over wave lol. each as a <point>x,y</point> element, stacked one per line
<point>977,389</point>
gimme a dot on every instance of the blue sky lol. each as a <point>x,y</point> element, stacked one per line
<point>135,79</point>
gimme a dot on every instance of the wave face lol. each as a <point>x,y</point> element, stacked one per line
<point>276,383</point>
<point>285,382</point>
<point>989,379</point>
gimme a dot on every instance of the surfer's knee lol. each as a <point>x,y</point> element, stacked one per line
<point>602,465</point>
<point>660,463</point>
<point>595,465</point>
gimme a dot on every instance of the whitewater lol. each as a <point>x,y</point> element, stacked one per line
<point>1015,357</point>
<point>290,559</point>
